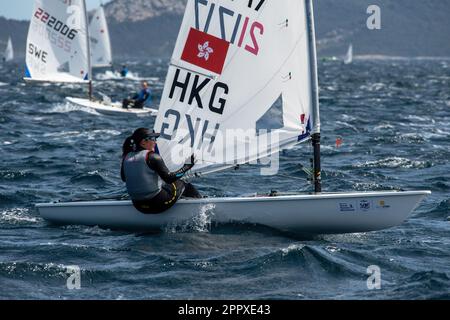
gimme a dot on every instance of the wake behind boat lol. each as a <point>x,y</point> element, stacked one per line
<point>110,108</point>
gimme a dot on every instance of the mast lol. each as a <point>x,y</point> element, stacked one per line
<point>88,51</point>
<point>315,97</point>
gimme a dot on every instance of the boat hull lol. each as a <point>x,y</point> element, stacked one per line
<point>113,108</point>
<point>304,214</point>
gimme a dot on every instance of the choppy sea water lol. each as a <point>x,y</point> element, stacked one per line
<point>393,117</point>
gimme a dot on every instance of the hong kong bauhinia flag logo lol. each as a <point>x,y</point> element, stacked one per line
<point>205,51</point>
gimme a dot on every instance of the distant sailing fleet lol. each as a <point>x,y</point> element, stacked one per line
<point>100,43</point>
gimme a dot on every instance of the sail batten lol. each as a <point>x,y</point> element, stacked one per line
<point>57,43</point>
<point>258,55</point>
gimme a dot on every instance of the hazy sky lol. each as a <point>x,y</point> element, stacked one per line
<point>21,9</point>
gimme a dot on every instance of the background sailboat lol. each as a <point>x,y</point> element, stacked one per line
<point>58,51</point>
<point>9,51</point>
<point>256,78</point>
<point>57,45</point>
<point>349,56</point>
<point>101,52</point>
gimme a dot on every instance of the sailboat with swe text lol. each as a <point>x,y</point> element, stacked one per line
<point>59,51</point>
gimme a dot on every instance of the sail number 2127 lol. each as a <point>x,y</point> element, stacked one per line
<point>239,29</point>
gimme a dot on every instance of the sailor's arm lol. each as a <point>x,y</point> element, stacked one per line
<point>143,96</point>
<point>156,163</point>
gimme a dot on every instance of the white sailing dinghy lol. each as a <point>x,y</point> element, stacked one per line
<point>58,51</point>
<point>101,52</point>
<point>248,66</point>
<point>9,51</point>
<point>349,56</point>
<point>106,106</point>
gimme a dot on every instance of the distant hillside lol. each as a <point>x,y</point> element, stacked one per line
<point>141,10</point>
<point>148,28</point>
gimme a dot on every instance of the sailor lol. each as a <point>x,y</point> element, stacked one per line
<point>124,71</point>
<point>151,186</point>
<point>140,99</point>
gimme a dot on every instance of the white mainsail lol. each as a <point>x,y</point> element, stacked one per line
<point>349,57</point>
<point>57,44</point>
<point>101,53</point>
<point>241,78</point>
<point>9,52</point>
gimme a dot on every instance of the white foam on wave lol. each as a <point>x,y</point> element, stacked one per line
<point>292,248</point>
<point>94,231</point>
<point>68,107</point>
<point>347,238</point>
<point>347,117</point>
<point>64,244</point>
<point>332,249</point>
<point>412,137</point>
<point>62,134</point>
<point>69,136</point>
<point>17,215</point>
<point>384,127</point>
<point>373,87</point>
<point>346,125</point>
<point>50,269</point>
<point>393,162</point>
<point>2,84</point>
<point>420,118</point>
<point>436,134</point>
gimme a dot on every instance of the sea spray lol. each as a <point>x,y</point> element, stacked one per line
<point>199,223</point>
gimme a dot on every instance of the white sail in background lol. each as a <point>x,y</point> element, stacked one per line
<point>101,53</point>
<point>57,44</point>
<point>349,57</point>
<point>9,52</point>
<point>240,69</point>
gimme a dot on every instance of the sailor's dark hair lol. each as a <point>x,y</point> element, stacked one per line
<point>132,143</point>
